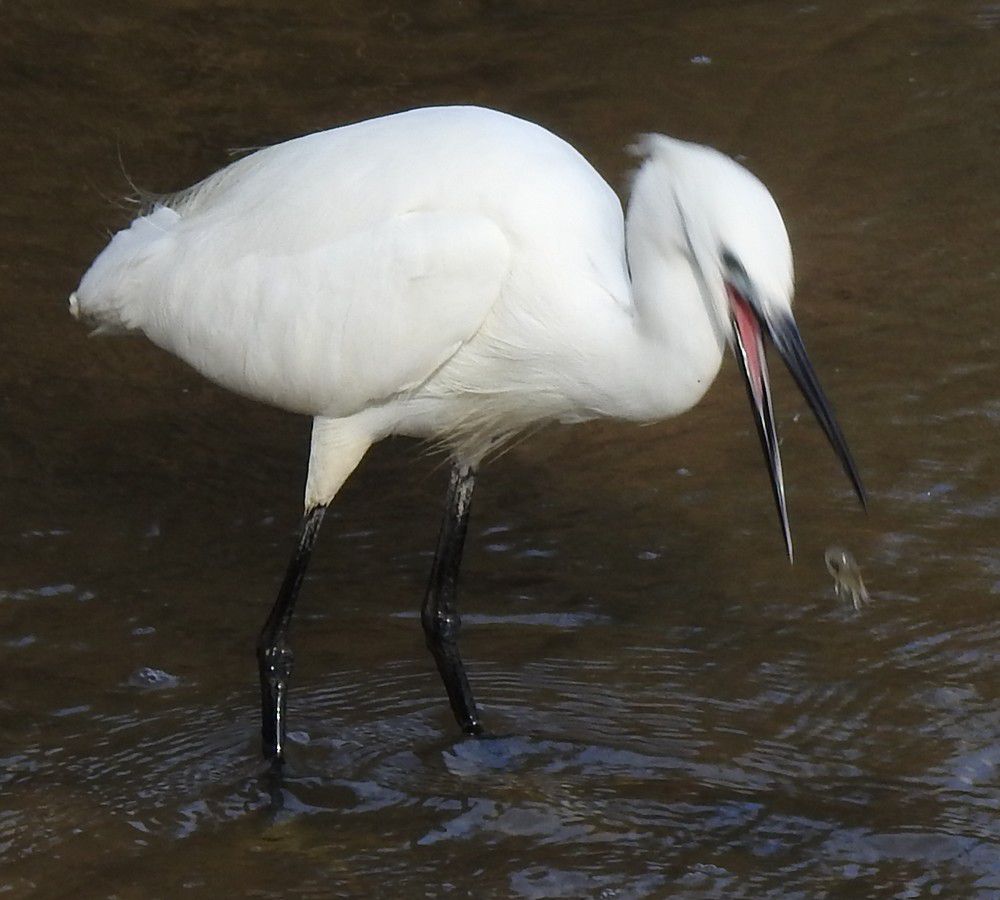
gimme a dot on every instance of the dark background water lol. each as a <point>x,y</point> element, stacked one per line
<point>679,712</point>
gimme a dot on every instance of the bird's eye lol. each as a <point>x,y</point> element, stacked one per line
<point>730,261</point>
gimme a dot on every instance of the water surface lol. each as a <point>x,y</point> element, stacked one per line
<point>673,710</point>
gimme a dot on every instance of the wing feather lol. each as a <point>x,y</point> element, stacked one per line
<point>325,331</point>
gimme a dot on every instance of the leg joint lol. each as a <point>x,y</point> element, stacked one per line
<point>275,663</point>
<point>441,626</point>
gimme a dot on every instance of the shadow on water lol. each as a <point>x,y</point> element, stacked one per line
<point>673,711</point>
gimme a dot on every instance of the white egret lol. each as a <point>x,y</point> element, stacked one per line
<point>458,275</point>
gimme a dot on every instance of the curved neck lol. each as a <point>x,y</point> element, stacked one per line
<point>666,354</point>
<point>673,314</point>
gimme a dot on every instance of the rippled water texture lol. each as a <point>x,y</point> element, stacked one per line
<point>674,710</point>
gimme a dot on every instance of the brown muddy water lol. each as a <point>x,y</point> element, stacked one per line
<point>675,711</point>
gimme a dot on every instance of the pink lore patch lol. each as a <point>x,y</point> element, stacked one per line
<point>749,330</point>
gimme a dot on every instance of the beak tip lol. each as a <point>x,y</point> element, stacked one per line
<point>859,488</point>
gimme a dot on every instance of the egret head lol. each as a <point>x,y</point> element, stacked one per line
<point>727,224</point>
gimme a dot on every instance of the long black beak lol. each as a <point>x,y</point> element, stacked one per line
<point>749,329</point>
<point>788,342</point>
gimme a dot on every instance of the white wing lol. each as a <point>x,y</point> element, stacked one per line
<point>340,269</point>
<point>324,331</point>
<point>331,329</point>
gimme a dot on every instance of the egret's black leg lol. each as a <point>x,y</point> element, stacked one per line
<point>440,614</point>
<point>274,657</point>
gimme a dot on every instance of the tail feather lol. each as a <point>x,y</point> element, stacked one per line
<point>107,297</point>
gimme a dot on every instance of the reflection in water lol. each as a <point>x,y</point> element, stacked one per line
<point>672,709</point>
<point>642,768</point>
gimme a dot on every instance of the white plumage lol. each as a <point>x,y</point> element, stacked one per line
<point>459,275</point>
<point>451,273</point>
